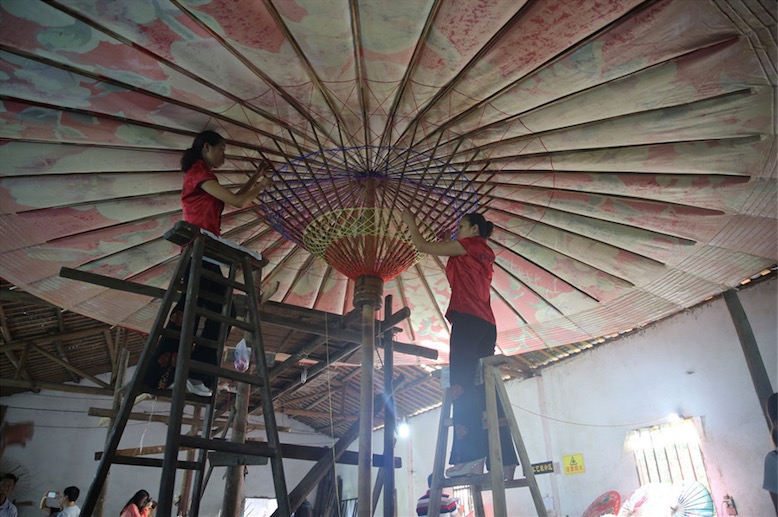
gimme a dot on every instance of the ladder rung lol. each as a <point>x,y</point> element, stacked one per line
<point>168,394</point>
<point>483,481</point>
<point>502,422</point>
<point>219,279</point>
<point>212,297</point>
<point>176,334</point>
<point>151,462</point>
<point>215,316</point>
<point>226,373</point>
<point>249,448</point>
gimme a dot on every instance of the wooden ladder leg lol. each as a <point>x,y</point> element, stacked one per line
<point>478,501</point>
<point>178,397</point>
<point>495,448</point>
<point>208,418</point>
<point>436,491</point>
<point>276,461</point>
<point>123,415</point>
<point>526,466</point>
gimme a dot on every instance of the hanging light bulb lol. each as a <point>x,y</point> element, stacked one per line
<point>403,429</point>
<point>304,375</point>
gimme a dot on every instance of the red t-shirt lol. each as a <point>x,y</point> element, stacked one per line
<point>201,208</point>
<point>132,511</point>
<point>470,277</point>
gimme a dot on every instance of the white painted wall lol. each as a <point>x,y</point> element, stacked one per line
<point>691,363</point>
<point>61,452</point>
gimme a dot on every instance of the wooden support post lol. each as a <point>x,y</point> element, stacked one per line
<point>186,482</point>
<point>751,351</point>
<point>118,382</point>
<point>365,477</point>
<point>389,414</point>
<point>232,504</point>
<point>325,463</point>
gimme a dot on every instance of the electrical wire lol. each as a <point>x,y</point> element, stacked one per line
<point>584,424</point>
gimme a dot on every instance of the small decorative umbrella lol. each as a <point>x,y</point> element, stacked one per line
<point>693,500</point>
<point>607,503</point>
<point>649,500</point>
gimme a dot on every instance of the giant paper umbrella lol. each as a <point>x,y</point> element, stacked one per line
<point>624,149</point>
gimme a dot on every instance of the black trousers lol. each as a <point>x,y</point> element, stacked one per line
<point>162,370</point>
<point>471,339</point>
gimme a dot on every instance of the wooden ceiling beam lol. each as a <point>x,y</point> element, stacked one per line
<point>310,321</point>
<point>62,355</point>
<point>49,339</point>
<point>109,345</point>
<point>21,369</point>
<point>326,415</point>
<point>70,388</point>
<point>15,362</point>
<point>4,325</point>
<point>69,366</point>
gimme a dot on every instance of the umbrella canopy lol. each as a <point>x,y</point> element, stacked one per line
<point>625,150</point>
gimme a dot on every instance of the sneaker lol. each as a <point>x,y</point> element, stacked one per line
<point>197,388</point>
<point>466,469</point>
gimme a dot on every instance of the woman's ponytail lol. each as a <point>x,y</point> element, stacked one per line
<point>485,227</point>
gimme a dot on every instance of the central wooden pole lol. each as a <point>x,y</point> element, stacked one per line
<point>232,503</point>
<point>368,291</point>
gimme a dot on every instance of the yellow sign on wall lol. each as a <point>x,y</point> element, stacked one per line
<point>573,464</point>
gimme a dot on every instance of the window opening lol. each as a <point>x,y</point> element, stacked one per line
<point>259,507</point>
<point>668,453</point>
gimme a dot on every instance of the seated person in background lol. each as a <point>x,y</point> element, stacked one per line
<point>7,484</point>
<point>140,505</point>
<point>448,504</point>
<point>50,503</point>
<point>68,502</point>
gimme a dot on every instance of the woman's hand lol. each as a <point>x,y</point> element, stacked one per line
<point>264,182</point>
<point>443,249</point>
<point>408,218</point>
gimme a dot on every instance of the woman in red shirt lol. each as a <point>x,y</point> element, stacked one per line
<point>140,505</point>
<point>203,199</point>
<point>469,272</point>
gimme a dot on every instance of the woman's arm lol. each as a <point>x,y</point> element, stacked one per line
<point>240,199</point>
<point>441,249</point>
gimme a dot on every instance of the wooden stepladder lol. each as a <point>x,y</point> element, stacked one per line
<point>199,246</point>
<point>495,394</point>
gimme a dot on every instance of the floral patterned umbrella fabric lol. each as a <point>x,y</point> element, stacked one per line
<point>624,149</point>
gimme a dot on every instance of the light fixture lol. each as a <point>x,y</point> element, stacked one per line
<point>674,418</point>
<point>403,429</point>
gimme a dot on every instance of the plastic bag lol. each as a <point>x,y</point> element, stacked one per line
<point>242,356</point>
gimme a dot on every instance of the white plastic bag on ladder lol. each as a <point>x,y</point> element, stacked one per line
<point>242,356</point>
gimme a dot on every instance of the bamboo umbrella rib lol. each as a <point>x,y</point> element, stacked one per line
<point>308,68</point>
<point>194,77</point>
<point>483,50</point>
<point>517,116</point>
